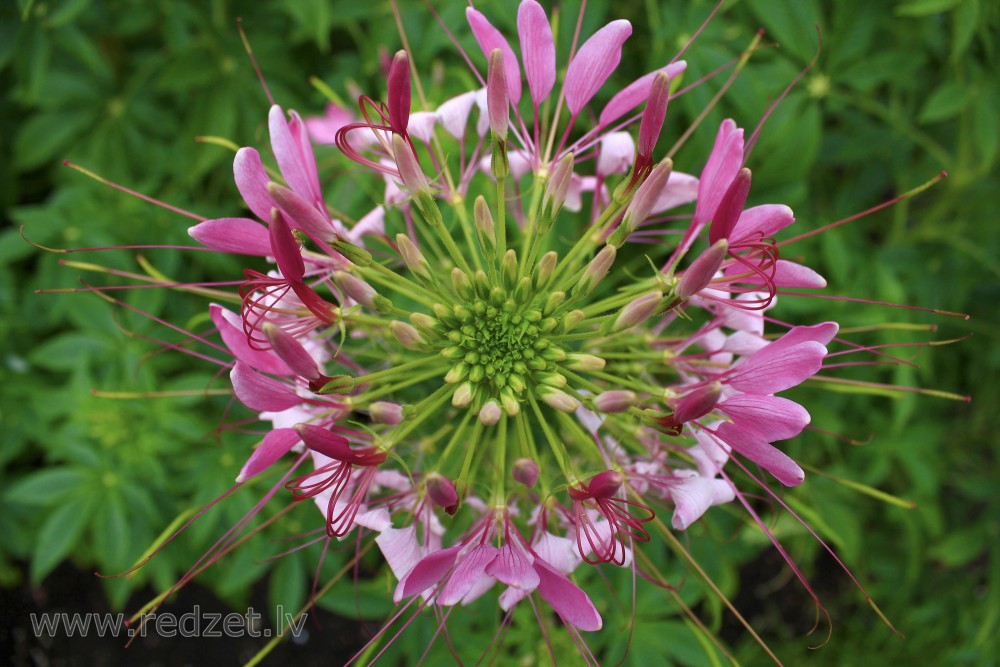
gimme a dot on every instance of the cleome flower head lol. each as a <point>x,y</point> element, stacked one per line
<point>482,369</point>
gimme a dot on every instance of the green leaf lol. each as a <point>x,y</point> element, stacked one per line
<point>966,20</point>
<point>46,135</point>
<point>985,128</point>
<point>924,7</point>
<point>67,351</point>
<point>946,101</point>
<point>45,487</point>
<point>59,535</point>
<point>791,22</point>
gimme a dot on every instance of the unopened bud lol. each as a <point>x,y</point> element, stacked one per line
<point>457,373</point>
<point>556,190</point>
<point>338,384</point>
<point>290,351</point>
<point>730,207</point>
<point>490,413</point>
<point>643,201</point>
<point>638,311</point>
<point>653,115</point>
<point>410,172</point>
<point>698,403</point>
<point>551,379</point>
<point>509,402</point>
<point>616,400</point>
<point>399,92</point>
<point>525,472</point>
<point>354,254</point>
<point>426,323</point>
<point>484,227</point>
<point>553,301</point>
<point>584,362</point>
<point>383,412</point>
<point>697,276</point>
<point>355,288</point>
<point>412,257</point>
<point>442,492</point>
<point>572,318</point>
<point>462,396</point>
<point>461,283</point>
<point>497,102</point>
<point>596,270</point>
<point>508,269</point>
<point>543,270</point>
<point>407,335</point>
<point>605,484</point>
<point>558,399</point>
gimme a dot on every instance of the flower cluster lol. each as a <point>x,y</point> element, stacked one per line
<point>511,366</point>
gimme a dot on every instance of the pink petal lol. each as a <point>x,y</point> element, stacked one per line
<point>259,392</point>
<point>230,326</point>
<point>285,249</point>
<point>681,189</point>
<point>594,63</point>
<point>692,497</point>
<point>616,154</point>
<point>513,566</point>
<point>635,93</point>
<point>400,549</point>
<point>241,236</point>
<point>275,444</point>
<point>821,333</point>
<point>468,575</point>
<point>251,180</point>
<point>776,369</point>
<point>454,113</point>
<point>538,49</point>
<point>566,598</point>
<point>766,220</point>
<point>422,125</point>
<point>559,552</point>
<point>767,457</point>
<point>770,417</point>
<point>289,154</point>
<point>427,573</point>
<point>790,274</point>
<point>490,38</point>
<point>323,129</point>
<point>373,224</point>
<point>720,170</point>
<point>301,214</point>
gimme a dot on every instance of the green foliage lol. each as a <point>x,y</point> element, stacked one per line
<point>898,94</point>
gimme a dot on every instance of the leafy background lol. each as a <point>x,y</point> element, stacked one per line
<point>902,90</point>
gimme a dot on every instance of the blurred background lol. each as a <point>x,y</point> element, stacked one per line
<point>89,477</point>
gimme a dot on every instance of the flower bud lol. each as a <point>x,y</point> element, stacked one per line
<point>352,253</point>
<point>525,471</point>
<point>410,172</point>
<point>484,227</point>
<point>461,283</point>
<point>462,396</point>
<point>508,269</point>
<point>653,115</point>
<point>490,413</point>
<point>616,400</point>
<point>643,201</point>
<point>338,384</point>
<point>543,270</point>
<point>572,318</point>
<point>558,399</point>
<point>407,335</point>
<point>383,412</point>
<point>412,257</point>
<point>555,191</point>
<point>290,351</point>
<point>398,98</point>
<point>596,270</point>
<point>638,311</point>
<point>442,492</point>
<point>698,403</point>
<point>605,484</point>
<point>730,207</point>
<point>355,288</point>
<point>698,276</point>
<point>509,402</point>
<point>497,103</point>
<point>584,362</point>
